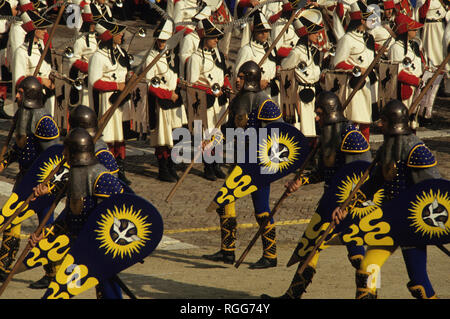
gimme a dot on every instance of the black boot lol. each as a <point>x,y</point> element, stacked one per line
<point>228,227</point>
<point>298,284</point>
<point>164,172</point>
<point>8,251</point>
<point>121,174</point>
<point>362,287</point>
<point>269,258</point>
<point>171,167</point>
<point>44,282</point>
<point>218,171</point>
<point>3,114</point>
<point>209,172</point>
<point>228,257</point>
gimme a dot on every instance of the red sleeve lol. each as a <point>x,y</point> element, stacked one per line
<point>83,66</point>
<point>344,66</point>
<point>160,93</point>
<point>423,10</point>
<point>340,10</point>
<point>275,17</point>
<point>204,88</point>
<point>46,36</point>
<point>226,82</point>
<point>244,3</point>
<point>284,52</point>
<point>105,86</point>
<point>179,28</point>
<point>409,79</point>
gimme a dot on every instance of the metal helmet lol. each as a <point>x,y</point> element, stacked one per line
<point>81,148</point>
<point>396,117</point>
<point>84,117</point>
<point>252,76</point>
<point>33,96</point>
<point>331,106</point>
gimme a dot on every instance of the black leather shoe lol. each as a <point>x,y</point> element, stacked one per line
<point>224,256</point>
<point>285,296</point>
<point>42,283</point>
<point>209,172</point>
<point>218,171</point>
<point>3,114</point>
<point>263,263</point>
<point>3,275</point>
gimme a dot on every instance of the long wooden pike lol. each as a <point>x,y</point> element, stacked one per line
<point>294,258</point>
<point>427,86</point>
<point>35,73</point>
<point>106,117</point>
<point>50,37</point>
<point>294,14</point>
<point>29,247</point>
<point>227,111</point>
<point>286,193</point>
<point>363,77</point>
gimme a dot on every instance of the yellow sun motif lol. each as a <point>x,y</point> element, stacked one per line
<point>430,214</point>
<point>362,206</point>
<point>277,153</point>
<point>123,232</point>
<point>47,168</point>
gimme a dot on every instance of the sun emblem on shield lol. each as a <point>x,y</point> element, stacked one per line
<point>362,206</point>
<point>123,231</point>
<point>49,166</point>
<point>431,214</point>
<point>278,152</point>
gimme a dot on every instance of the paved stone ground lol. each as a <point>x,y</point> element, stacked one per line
<point>176,269</point>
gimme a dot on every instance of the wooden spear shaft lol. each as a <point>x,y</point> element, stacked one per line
<point>428,85</point>
<point>332,225</point>
<point>286,193</point>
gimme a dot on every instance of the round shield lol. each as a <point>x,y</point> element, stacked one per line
<point>306,95</point>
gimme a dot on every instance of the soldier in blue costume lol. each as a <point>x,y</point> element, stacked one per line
<point>251,107</point>
<point>89,183</point>
<point>340,143</point>
<point>35,131</point>
<point>84,117</point>
<point>404,160</point>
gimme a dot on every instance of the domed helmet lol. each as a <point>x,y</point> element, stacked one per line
<point>396,118</point>
<point>81,148</point>
<point>331,107</point>
<point>33,96</point>
<point>84,117</point>
<point>252,76</point>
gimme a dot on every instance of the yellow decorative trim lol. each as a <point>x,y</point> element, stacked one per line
<point>260,109</point>
<point>419,166</point>
<point>354,151</point>
<point>47,138</point>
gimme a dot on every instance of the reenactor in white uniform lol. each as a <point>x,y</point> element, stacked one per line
<point>405,51</point>
<point>7,9</point>
<point>166,105</point>
<point>107,76</point>
<point>354,53</point>
<point>191,40</point>
<point>255,50</point>
<point>435,16</point>
<point>83,48</point>
<point>207,70</point>
<point>184,10</point>
<point>305,58</point>
<point>27,56</point>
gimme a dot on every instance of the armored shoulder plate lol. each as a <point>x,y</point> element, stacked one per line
<point>107,185</point>
<point>421,157</point>
<point>269,111</point>
<point>353,141</point>
<point>106,158</point>
<point>46,128</point>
